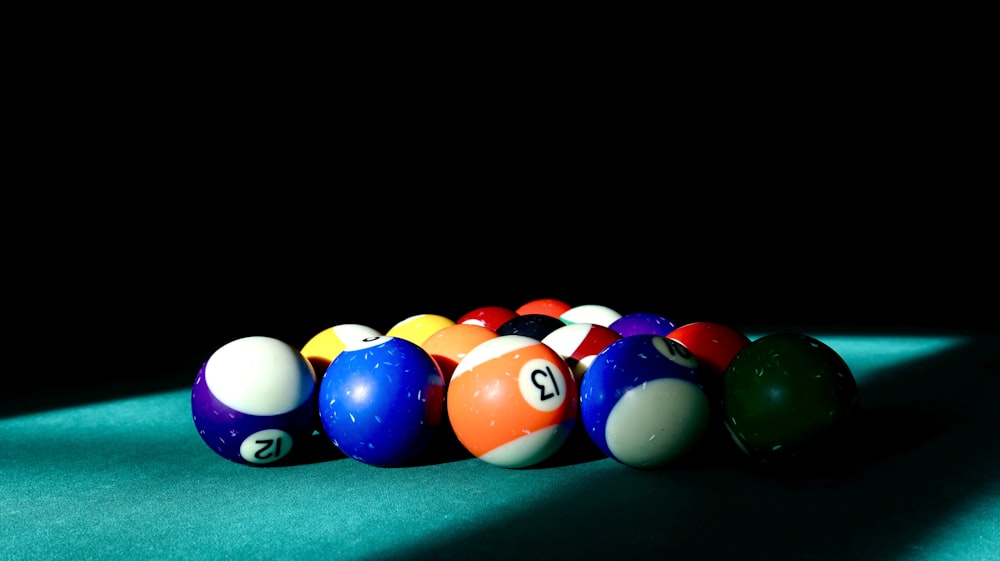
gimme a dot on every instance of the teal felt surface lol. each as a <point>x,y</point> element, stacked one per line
<point>131,479</point>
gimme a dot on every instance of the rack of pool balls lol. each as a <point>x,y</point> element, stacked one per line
<point>512,385</point>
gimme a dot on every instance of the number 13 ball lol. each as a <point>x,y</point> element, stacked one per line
<point>253,399</point>
<point>642,401</point>
<point>512,401</point>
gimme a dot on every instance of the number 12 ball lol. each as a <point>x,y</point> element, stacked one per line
<point>381,400</point>
<point>642,401</point>
<point>253,399</point>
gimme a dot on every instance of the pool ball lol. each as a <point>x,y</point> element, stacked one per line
<point>512,401</point>
<point>488,316</point>
<point>579,343</point>
<point>547,306</point>
<point>713,344</point>
<point>590,313</point>
<point>321,349</point>
<point>536,326</point>
<point>381,400</point>
<point>418,328</point>
<point>787,396</point>
<point>254,400</point>
<point>450,345</point>
<point>642,402</point>
<point>639,323</point>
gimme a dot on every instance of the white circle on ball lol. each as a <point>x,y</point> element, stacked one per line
<point>367,342</point>
<point>656,422</point>
<point>266,446</point>
<point>542,384</point>
<point>259,376</point>
<point>349,332</point>
<point>675,351</point>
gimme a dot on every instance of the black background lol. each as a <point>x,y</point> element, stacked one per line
<point>138,299</point>
<point>164,219</point>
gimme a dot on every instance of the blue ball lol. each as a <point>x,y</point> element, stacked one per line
<point>381,400</point>
<point>642,401</point>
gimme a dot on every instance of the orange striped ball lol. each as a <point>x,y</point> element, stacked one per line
<point>512,401</point>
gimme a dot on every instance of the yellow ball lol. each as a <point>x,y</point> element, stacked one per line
<point>327,344</point>
<point>418,328</point>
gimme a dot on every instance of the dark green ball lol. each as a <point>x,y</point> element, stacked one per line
<point>785,394</point>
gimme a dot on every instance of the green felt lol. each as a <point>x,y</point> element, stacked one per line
<point>131,479</point>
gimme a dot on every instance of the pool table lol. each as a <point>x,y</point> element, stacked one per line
<point>124,475</point>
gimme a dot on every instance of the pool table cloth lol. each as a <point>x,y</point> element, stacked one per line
<point>129,478</point>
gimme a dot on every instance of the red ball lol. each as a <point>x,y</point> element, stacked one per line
<point>713,344</point>
<point>545,306</point>
<point>490,317</point>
